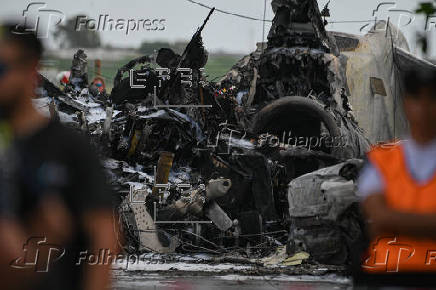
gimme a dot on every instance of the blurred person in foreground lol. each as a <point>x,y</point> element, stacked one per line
<point>54,201</point>
<point>398,188</point>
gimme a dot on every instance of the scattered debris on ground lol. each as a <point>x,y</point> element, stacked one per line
<point>259,167</point>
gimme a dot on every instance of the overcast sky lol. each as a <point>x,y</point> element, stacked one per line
<point>223,32</point>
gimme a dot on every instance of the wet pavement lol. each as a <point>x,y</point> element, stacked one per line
<point>142,280</point>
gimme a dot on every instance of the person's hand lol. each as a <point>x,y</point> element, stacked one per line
<point>377,213</point>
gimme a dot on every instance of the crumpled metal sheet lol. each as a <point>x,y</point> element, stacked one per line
<point>323,208</point>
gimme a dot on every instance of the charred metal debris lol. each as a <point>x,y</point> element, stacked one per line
<point>267,157</point>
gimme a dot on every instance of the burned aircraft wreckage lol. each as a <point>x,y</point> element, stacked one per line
<point>266,157</point>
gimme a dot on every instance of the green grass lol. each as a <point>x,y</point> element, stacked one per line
<point>219,65</point>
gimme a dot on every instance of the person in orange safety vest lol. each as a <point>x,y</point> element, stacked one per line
<point>398,188</point>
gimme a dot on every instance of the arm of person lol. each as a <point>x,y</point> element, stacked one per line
<point>94,199</point>
<point>100,227</point>
<point>383,219</point>
<point>12,238</point>
<point>50,221</point>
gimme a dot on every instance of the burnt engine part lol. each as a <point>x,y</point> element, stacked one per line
<point>324,213</point>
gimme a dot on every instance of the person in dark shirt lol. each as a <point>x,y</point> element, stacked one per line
<point>55,204</point>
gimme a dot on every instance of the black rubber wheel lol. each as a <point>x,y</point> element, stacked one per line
<point>289,105</point>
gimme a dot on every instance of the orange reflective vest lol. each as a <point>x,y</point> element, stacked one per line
<point>400,253</point>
